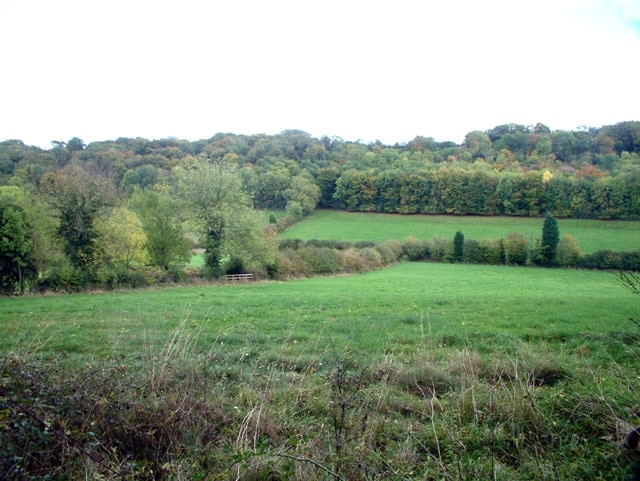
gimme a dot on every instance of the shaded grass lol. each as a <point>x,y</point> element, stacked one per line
<point>592,235</point>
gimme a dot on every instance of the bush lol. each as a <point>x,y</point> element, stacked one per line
<point>329,243</point>
<point>363,244</point>
<point>234,266</point>
<point>568,253</point>
<point>515,249</point>
<point>470,250</point>
<point>611,260</point>
<point>390,251</point>
<point>415,250</point>
<point>122,276</point>
<point>290,243</point>
<point>630,261</point>
<point>352,260</point>
<point>62,277</point>
<point>320,260</point>
<point>490,251</point>
<point>440,249</point>
<point>289,263</point>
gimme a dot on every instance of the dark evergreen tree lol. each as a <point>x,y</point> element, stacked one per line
<point>458,247</point>
<point>549,241</point>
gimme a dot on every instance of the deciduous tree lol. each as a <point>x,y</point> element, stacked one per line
<point>158,214</point>
<point>304,192</point>
<point>17,265</point>
<point>79,198</point>
<point>123,238</point>
<point>230,227</point>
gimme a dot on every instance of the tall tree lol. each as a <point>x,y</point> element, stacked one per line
<point>123,238</point>
<point>212,188</point>
<point>304,192</point>
<point>79,199</point>
<point>549,241</point>
<point>158,214</point>
<point>16,246</point>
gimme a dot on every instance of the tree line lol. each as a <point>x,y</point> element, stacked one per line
<point>129,211</point>
<point>590,172</point>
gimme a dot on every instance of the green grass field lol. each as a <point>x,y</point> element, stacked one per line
<point>592,235</point>
<point>369,314</point>
<point>418,371</point>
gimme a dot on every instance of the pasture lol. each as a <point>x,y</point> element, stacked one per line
<point>393,310</point>
<point>418,371</point>
<point>592,235</point>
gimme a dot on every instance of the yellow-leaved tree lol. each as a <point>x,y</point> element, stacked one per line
<point>123,240</point>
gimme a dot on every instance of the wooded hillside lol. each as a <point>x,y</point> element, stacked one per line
<point>507,170</point>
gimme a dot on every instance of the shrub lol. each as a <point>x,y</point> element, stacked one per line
<point>470,250</point>
<point>290,263</point>
<point>568,253</point>
<point>290,243</point>
<point>549,241</point>
<point>372,257</point>
<point>415,250</point>
<point>490,251</point>
<point>329,243</point>
<point>630,261</point>
<point>440,248</point>
<point>390,251</point>
<point>234,266</point>
<point>62,277</point>
<point>515,249</point>
<point>121,275</point>
<point>458,247</point>
<point>320,260</point>
<point>363,244</point>
<point>351,260</point>
<point>611,260</point>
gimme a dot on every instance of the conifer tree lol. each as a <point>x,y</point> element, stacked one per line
<point>549,241</point>
<point>458,247</point>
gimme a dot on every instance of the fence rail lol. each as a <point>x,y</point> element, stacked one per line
<point>238,277</point>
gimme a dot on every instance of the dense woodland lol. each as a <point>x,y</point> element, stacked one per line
<point>72,210</point>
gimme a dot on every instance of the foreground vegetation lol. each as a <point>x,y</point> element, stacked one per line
<point>419,371</point>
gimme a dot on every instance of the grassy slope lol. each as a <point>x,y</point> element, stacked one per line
<point>330,224</point>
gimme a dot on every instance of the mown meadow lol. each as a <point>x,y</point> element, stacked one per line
<point>418,371</point>
<point>592,235</point>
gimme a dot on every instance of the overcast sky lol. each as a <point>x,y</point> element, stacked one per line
<point>360,70</point>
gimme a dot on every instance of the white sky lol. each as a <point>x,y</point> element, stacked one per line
<point>361,70</point>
